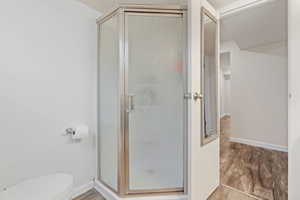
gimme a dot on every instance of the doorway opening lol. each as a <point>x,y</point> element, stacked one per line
<point>254,102</point>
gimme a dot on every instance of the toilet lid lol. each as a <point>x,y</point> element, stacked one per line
<point>51,187</point>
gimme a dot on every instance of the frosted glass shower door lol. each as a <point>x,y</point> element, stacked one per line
<point>155,86</point>
<point>109,102</point>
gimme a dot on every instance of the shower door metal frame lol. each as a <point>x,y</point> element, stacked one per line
<point>135,12</point>
<point>123,139</point>
<point>116,12</point>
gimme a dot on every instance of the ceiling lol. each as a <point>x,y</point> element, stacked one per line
<point>100,5</point>
<point>221,3</point>
<point>249,28</point>
<point>105,6</point>
<point>258,26</point>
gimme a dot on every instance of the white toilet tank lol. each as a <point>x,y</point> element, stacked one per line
<point>51,187</point>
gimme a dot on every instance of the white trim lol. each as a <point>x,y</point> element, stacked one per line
<point>105,192</point>
<point>109,195</point>
<point>213,191</point>
<point>241,192</point>
<point>259,144</point>
<point>241,5</point>
<point>82,189</point>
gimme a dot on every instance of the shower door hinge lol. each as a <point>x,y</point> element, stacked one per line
<point>188,95</point>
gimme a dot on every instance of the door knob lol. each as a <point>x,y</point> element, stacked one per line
<point>197,96</point>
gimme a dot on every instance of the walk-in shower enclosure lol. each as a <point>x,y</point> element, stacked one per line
<point>142,110</point>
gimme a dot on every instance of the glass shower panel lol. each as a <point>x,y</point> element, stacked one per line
<point>155,91</point>
<point>109,102</point>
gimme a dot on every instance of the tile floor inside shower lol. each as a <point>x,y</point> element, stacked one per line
<point>247,172</point>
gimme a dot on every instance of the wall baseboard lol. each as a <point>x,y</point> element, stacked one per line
<point>108,194</point>
<point>105,192</point>
<point>82,189</point>
<point>213,191</point>
<point>241,192</point>
<point>259,144</point>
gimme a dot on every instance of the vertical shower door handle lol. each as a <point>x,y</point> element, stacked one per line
<point>130,106</point>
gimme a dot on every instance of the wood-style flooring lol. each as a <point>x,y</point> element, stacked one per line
<point>227,193</point>
<point>90,195</point>
<point>260,172</point>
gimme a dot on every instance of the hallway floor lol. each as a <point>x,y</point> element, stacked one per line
<point>227,193</point>
<point>90,195</point>
<point>256,171</point>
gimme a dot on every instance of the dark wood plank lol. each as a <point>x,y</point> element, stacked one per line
<point>90,195</point>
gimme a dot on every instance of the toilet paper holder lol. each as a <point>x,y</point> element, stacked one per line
<point>70,131</point>
<point>77,133</point>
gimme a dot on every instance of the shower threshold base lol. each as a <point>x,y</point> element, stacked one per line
<point>109,195</point>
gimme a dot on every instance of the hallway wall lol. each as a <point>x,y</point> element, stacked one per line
<point>225,94</point>
<point>225,83</point>
<point>259,95</point>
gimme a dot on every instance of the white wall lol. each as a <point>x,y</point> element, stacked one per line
<point>259,94</point>
<point>225,95</point>
<point>47,82</point>
<point>225,83</point>
<point>294,101</point>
